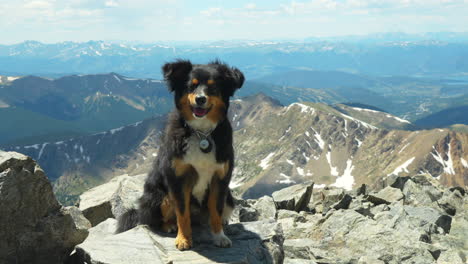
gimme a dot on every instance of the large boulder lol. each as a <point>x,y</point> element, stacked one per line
<point>112,199</point>
<point>35,228</point>
<point>253,242</point>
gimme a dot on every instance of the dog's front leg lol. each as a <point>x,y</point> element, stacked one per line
<point>216,201</point>
<point>183,240</point>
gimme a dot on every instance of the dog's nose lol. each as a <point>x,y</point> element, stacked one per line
<point>200,100</point>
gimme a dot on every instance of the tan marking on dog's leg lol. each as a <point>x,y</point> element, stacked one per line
<point>221,173</point>
<point>168,215</point>
<point>184,229</point>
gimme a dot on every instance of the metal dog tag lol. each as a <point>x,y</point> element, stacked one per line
<point>205,145</point>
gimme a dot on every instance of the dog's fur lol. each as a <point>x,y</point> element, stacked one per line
<point>184,178</point>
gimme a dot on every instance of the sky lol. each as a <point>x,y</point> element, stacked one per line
<point>51,21</point>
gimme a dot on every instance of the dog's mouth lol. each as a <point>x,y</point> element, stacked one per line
<point>200,111</point>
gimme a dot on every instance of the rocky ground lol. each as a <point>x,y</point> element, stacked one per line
<point>407,220</point>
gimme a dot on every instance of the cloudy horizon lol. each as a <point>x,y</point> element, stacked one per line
<point>51,21</point>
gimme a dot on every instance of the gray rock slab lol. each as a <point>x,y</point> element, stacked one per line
<point>265,207</point>
<point>253,242</point>
<point>294,197</point>
<point>390,194</point>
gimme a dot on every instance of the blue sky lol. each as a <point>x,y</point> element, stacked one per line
<point>156,20</point>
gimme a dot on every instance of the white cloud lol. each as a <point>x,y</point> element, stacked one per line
<point>250,6</point>
<point>111,4</point>
<point>37,5</point>
<point>212,11</point>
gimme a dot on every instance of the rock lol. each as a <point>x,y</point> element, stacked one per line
<point>343,203</point>
<point>361,190</point>
<point>265,207</point>
<point>451,201</point>
<point>379,208</point>
<point>247,214</point>
<point>346,235</point>
<point>82,224</point>
<point>299,248</point>
<point>298,261</point>
<point>253,242</point>
<point>330,198</point>
<point>35,227</point>
<point>294,197</point>
<point>417,194</point>
<point>451,257</point>
<point>397,181</point>
<point>387,195</point>
<point>369,260</point>
<point>112,199</point>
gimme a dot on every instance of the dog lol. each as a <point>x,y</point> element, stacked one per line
<point>195,161</point>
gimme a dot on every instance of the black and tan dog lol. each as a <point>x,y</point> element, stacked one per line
<point>194,164</point>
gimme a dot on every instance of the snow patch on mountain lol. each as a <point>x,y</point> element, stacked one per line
<point>41,151</point>
<point>333,170</point>
<point>346,181</point>
<point>319,140</point>
<point>402,168</point>
<point>265,163</point>
<point>447,164</point>
<point>304,108</point>
<point>365,110</point>
<point>359,121</point>
<point>286,179</point>
<point>399,119</point>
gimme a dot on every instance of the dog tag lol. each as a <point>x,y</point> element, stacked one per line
<point>205,145</point>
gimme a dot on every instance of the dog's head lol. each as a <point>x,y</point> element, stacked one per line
<point>202,91</point>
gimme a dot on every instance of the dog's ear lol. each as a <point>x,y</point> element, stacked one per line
<point>233,77</point>
<point>176,73</point>
<point>237,78</point>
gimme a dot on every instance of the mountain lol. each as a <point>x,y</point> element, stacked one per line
<point>77,164</point>
<point>403,55</point>
<point>307,141</point>
<point>36,109</point>
<point>445,118</point>
<point>275,146</point>
<point>375,116</point>
<point>408,97</point>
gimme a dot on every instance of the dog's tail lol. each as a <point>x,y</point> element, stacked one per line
<point>127,221</point>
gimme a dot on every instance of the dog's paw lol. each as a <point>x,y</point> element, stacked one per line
<point>221,240</point>
<point>169,227</point>
<point>183,243</point>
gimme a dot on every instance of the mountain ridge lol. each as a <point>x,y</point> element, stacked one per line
<point>275,146</point>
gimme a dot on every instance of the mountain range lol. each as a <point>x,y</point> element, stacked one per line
<point>35,109</point>
<point>38,109</point>
<point>403,55</point>
<point>276,146</point>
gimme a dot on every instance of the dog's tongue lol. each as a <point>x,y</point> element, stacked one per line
<point>198,111</point>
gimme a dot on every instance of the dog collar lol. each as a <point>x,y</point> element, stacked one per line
<point>206,142</point>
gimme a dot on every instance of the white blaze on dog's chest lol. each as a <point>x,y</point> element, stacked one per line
<point>204,163</point>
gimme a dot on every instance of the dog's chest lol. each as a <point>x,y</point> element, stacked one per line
<point>204,163</point>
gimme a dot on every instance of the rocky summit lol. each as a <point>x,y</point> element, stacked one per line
<point>411,219</point>
<point>35,228</point>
